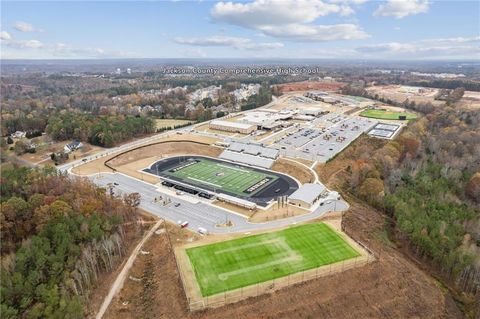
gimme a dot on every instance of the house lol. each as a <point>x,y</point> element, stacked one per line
<point>75,145</point>
<point>19,134</point>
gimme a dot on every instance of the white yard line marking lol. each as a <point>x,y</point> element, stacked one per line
<point>270,241</point>
<point>281,242</point>
<point>204,182</point>
<point>225,275</point>
<point>234,168</point>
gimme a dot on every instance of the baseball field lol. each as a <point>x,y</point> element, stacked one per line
<point>254,259</point>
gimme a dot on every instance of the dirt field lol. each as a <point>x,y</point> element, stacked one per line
<point>263,215</point>
<point>309,85</point>
<point>399,94</point>
<point>97,166</point>
<point>170,123</point>
<point>393,287</point>
<point>470,100</point>
<point>276,212</point>
<point>295,170</point>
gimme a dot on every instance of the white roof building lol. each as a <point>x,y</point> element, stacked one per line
<point>307,195</point>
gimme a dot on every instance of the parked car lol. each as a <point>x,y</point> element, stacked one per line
<point>184,224</point>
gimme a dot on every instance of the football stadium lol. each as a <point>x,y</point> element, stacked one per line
<point>237,263</point>
<point>209,176</point>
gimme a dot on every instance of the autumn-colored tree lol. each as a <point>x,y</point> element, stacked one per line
<point>473,187</point>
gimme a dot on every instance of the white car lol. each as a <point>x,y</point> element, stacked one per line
<point>202,231</point>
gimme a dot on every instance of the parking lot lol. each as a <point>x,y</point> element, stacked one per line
<point>323,144</point>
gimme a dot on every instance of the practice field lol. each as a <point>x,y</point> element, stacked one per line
<point>386,115</point>
<point>249,260</point>
<point>231,178</point>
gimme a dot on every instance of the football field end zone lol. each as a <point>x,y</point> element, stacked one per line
<point>196,301</point>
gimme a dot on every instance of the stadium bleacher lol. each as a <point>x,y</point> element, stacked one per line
<point>247,159</point>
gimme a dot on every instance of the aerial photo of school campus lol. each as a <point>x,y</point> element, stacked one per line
<point>240,159</point>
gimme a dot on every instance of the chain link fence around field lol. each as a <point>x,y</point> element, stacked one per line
<point>196,303</point>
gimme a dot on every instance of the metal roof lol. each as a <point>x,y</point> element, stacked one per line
<point>236,147</point>
<point>308,192</point>
<point>247,159</point>
<point>254,149</point>
<point>231,124</point>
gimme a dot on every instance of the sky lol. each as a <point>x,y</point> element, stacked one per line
<point>296,29</point>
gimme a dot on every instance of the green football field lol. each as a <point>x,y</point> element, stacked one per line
<point>220,175</point>
<point>386,115</point>
<point>242,262</point>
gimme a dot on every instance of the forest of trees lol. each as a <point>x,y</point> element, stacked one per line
<point>263,97</point>
<point>58,235</point>
<point>428,181</point>
<point>104,131</point>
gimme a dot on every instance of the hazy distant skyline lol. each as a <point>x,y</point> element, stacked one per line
<point>337,29</point>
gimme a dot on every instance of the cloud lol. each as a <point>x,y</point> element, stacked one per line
<point>22,44</point>
<point>25,47</point>
<point>225,41</point>
<point>25,27</point>
<point>4,35</point>
<point>67,51</point>
<point>437,48</point>
<point>401,8</point>
<point>271,12</point>
<point>316,33</point>
<point>289,19</point>
<point>454,40</point>
<point>8,41</point>
<point>348,1</point>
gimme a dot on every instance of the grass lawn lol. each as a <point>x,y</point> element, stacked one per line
<point>245,261</point>
<point>225,176</point>
<point>386,115</point>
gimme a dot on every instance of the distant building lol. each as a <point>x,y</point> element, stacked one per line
<point>19,134</point>
<point>118,71</point>
<point>73,146</point>
<point>236,127</point>
<point>316,95</point>
<point>129,71</point>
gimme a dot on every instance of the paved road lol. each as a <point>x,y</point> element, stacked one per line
<point>199,214</point>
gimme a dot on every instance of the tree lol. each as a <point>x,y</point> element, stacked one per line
<point>473,187</point>
<point>132,200</point>
<point>21,147</point>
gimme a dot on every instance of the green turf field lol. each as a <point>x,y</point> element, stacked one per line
<point>386,115</point>
<point>242,262</point>
<point>220,175</point>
